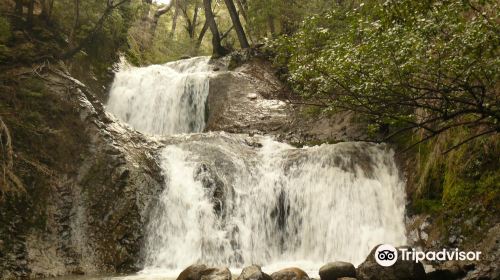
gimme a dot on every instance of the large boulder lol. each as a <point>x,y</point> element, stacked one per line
<point>203,272</point>
<point>450,270</point>
<point>192,272</point>
<point>253,272</point>
<point>292,273</point>
<point>250,99</point>
<point>216,273</point>
<point>336,270</point>
<point>408,270</point>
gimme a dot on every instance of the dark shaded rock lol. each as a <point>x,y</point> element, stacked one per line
<point>408,270</point>
<point>214,186</point>
<point>93,180</point>
<point>253,272</point>
<point>347,278</point>
<point>450,270</point>
<point>292,273</point>
<point>336,270</point>
<point>443,274</point>
<point>489,265</point>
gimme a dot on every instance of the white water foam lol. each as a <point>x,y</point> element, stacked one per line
<point>162,99</point>
<point>283,207</point>
<point>229,203</point>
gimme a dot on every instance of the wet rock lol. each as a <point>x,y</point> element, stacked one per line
<point>203,272</point>
<point>250,99</point>
<point>336,270</point>
<point>214,186</point>
<point>488,267</point>
<point>252,96</point>
<point>253,272</point>
<point>408,270</point>
<point>193,272</point>
<point>292,273</point>
<point>101,178</point>
<point>216,273</point>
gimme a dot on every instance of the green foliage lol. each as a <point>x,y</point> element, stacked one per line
<point>390,60</point>
<point>5,36</point>
<point>432,65</point>
<point>5,30</point>
<point>147,45</point>
<point>452,183</point>
<point>284,16</point>
<point>427,206</point>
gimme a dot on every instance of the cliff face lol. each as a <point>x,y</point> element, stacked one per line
<point>251,99</point>
<point>84,181</point>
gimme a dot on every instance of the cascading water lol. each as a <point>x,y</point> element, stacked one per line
<point>280,205</point>
<point>237,200</point>
<point>162,99</point>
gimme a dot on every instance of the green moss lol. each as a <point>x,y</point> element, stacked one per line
<point>34,84</point>
<point>5,30</point>
<point>431,206</point>
<point>312,111</point>
<point>460,185</point>
<point>25,92</point>
<point>472,175</point>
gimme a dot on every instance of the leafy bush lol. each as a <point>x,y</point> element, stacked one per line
<point>413,64</point>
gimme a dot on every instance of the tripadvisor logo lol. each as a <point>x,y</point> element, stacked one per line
<point>387,255</point>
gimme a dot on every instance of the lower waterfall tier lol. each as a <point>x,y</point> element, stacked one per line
<point>235,200</point>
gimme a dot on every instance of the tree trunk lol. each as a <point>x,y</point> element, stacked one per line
<point>270,24</point>
<point>174,20</point>
<point>51,8</point>
<point>243,10</point>
<point>194,21</point>
<point>19,7</point>
<point>97,27</point>
<point>237,24</point>
<point>218,49</point>
<point>201,35</point>
<point>31,8</point>
<point>189,24</point>
<point>45,10</point>
<point>156,17</point>
<point>76,23</point>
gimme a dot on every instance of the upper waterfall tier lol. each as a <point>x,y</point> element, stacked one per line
<point>162,99</point>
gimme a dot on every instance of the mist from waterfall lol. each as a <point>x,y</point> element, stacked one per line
<point>236,200</point>
<point>162,99</point>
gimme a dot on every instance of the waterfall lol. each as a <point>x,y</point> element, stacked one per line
<point>280,205</point>
<point>162,99</point>
<point>236,200</point>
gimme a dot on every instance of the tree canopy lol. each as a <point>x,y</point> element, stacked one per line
<point>432,65</point>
